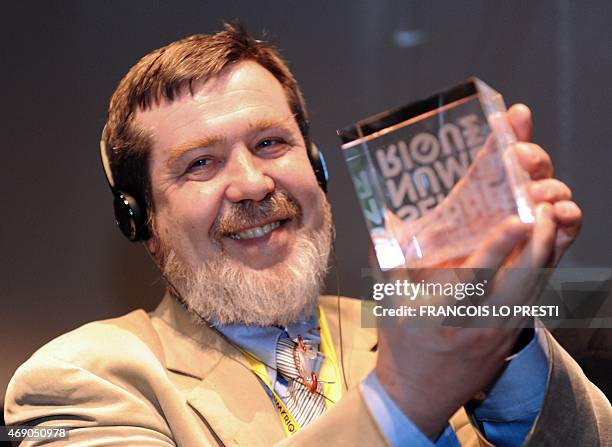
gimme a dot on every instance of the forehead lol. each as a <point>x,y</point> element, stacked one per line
<point>241,94</point>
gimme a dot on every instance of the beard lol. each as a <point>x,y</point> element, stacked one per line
<point>225,291</point>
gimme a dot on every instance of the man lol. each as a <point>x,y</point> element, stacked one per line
<point>208,154</point>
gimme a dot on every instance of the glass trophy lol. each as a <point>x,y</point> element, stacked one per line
<point>435,177</point>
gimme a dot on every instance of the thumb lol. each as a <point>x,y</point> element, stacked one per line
<point>519,117</point>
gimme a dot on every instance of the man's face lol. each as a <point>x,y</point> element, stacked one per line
<point>218,158</point>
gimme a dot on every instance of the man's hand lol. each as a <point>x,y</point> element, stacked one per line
<point>430,373</point>
<point>545,189</point>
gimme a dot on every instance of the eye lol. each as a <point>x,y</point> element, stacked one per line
<point>269,142</point>
<point>200,164</point>
<point>272,146</point>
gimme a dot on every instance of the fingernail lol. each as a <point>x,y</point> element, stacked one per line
<point>531,155</point>
<point>566,208</point>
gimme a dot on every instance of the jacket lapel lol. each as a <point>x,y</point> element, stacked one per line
<point>358,351</point>
<point>233,402</point>
<point>229,397</point>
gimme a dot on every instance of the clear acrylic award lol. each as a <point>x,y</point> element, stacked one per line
<point>435,177</point>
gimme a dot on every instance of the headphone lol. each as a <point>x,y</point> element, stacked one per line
<point>131,216</point>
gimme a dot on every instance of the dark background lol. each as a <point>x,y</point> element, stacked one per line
<point>64,262</point>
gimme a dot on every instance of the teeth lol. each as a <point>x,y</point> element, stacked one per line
<point>256,232</point>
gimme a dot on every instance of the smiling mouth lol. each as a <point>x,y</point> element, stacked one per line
<point>256,232</point>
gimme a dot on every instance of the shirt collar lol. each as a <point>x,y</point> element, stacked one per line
<point>261,340</point>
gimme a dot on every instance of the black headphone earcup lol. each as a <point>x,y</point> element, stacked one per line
<point>130,218</point>
<point>317,161</point>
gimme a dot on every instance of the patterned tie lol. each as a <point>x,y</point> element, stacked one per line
<point>304,405</point>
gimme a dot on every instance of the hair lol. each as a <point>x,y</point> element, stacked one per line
<point>169,72</point>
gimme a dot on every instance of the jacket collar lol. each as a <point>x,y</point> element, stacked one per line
<point>190,347</point>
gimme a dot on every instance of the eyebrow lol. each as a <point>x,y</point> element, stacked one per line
<point>255,126</point>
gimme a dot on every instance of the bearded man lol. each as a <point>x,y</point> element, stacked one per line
<point>208,154</point>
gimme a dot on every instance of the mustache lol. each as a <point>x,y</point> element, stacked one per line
<point>277,205</point>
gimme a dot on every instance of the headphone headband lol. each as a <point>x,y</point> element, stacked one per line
<point>108,173</point>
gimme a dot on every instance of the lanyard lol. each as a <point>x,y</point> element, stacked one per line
<point>329,374</point>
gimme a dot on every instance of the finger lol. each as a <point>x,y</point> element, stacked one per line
<point>549,190</point>
<point>498,245</point>
<point>534,160</point>
<point>569,219</point>
<point>569,216</point>
<point>540,248</point>
<point>519,117</point>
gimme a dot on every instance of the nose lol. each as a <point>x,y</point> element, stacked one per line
<point>247,179</point>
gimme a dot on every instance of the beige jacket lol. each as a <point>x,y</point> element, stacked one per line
<point>160,380</point>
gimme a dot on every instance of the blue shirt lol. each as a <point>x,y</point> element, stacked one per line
<point>505,416</point>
